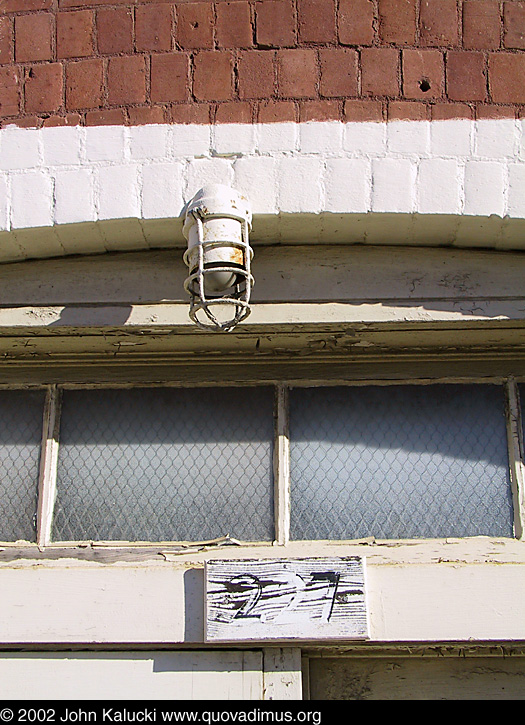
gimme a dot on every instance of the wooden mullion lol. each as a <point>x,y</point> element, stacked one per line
<point>48,466</point>
<point>282,467</point>
<point>516,456</point>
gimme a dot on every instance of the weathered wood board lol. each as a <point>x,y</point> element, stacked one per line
<point>286,599</point>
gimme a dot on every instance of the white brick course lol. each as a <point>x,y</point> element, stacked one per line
<point>68,175</point>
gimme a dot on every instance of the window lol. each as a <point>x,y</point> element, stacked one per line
<point>260,463</point>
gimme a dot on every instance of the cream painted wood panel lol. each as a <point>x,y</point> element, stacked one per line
<point>417,678</point>
<point>131,676</point>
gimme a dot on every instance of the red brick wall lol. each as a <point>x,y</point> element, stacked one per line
<point>119,61</point>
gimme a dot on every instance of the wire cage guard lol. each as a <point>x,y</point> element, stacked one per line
<point>219,260</point>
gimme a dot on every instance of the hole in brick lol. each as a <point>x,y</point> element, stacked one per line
<point>195,25</point>
<point>425,85</point>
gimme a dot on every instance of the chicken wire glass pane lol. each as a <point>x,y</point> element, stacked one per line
<point>165,464</point>
<point>21,417</point>
<point>399,462</point>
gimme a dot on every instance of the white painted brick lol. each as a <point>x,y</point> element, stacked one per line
<point>190,140</point>
<point>521,131</point>
<point>19,148</point>
<point>408,137</point>
<point>484,188</point>
<point>31,200</point>
<point>105,143</point>
<point>257,179</point>
<point>300,184</point>
<point>347,185</point>
<point>61,146</point>
<point>148,142</point>
<point>516,202</point>
<point>74,197</point>
<point>162,190</point>
<point>393,185</point>
<point>207,171</point>
<point>439,186</point>
<point>321,138</point>
<point>4,203</point>
<point>277,137</point>
<point>118,192</point>
<point>233,138</point>
<point>365,138</point>
<point>451,138</point>
<point>496,139</point>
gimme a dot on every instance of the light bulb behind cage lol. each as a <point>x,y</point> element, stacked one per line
<point>217,225</point>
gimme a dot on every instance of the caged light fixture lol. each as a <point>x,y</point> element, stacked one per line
<point>216,225</point>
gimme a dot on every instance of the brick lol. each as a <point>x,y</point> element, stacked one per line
<point>338,72</point>
<point>19,150</point>
<point>127,80</point>
<point>408,138</point>
<point>209,171</point>
<point>489,110</point>
<point>114,30</point>
<point>323,137</point>
<point>75,34</point>
<point>407,111</point>
<point>119,196</point>
<point>61,146</point>
<point>187,141</point>
<point>234,112</point>
<point>6,41</point>
<point>393,182</point>
<point>13,6</point>
<point>186,113</point>
<point>233,27</point>
<point>148,142</point>
<point>33,37</point>
<point>169,77</point>
<point>516,203</point>
<point>423,74</point>
<point>161,191</point>
<point>466,76</point>
<point>276,112</point>
<point>355,22</point>
<point>297,73</point>
<point>153,27</point>
<point>195,25</point>
<point>484,188</point>
<point>397,21</point>
<point>298,197</point>
<point>439,187</point>
<point>256,178</point>
<point>70,119</point>
<point>347,186</point>
<point>84,79</point>
<point>452,138</point>
<point>363,111</point>
<point>9,92</point>
<point>481,24</point>
<point>514,25</point>
<point>142,115</point>
<point>213,75</point>
<point>438,23</point>
<point>506,74</point>
<point>106,117</point>
<point>448,111</point>
<point>379,72</point>
<point>31,200</point>
<point>275,23</point>
<point>277,136</point>
<point>233,138</point>
<point>365,137</point>
<point>495,140</point>
<point>74,199</point>
<point>256,74</point>
<point>316,21</point>
<point>43,88</point>
<point>105,142</point>
<point>322,110</point>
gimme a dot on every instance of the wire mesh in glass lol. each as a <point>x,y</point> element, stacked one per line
<point>21,416</point>
<point>165,464</point>
<point>399,462</point>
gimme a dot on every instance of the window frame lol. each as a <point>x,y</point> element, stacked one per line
<point>50,443</point>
